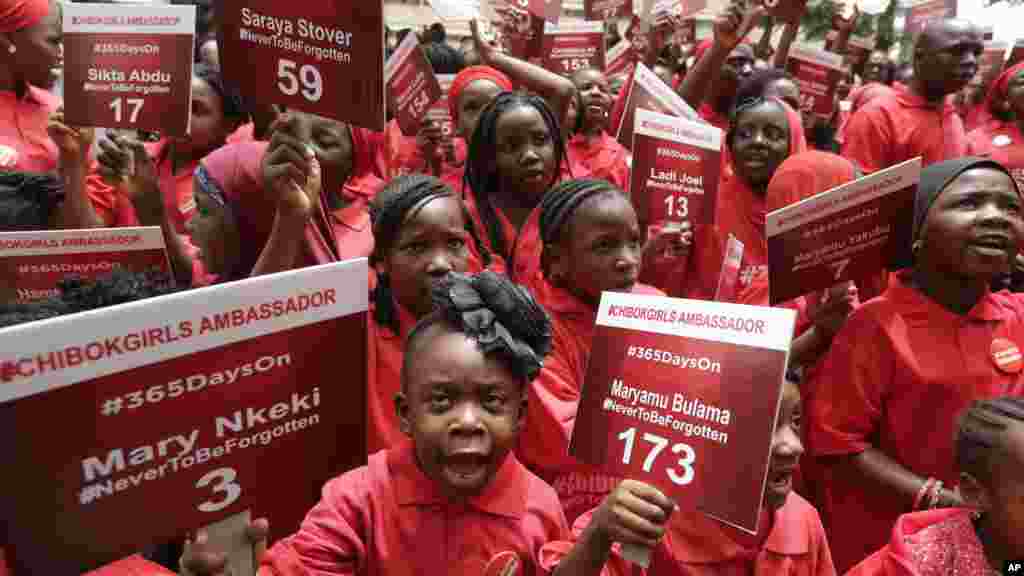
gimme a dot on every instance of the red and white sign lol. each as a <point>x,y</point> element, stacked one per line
<point>129,66</point>
<point>607,9</point>
<point>573,46</point>
<point>858,46</point>
<point>411,85</point>
<point>153,418</point>
<point>729,277</point>
<point>324,57</point>
<point>683,394</point>
<point>548,10</point>
<point>649,92</point>
<point>818,72</point>
<point>32,264</point>
<point>620,59</point>
<point>439,111</point>
<point>675,169</point>
<point>457,9</point>
<point>1016,53</point>
<point>924,12</point>
<point>843,234</point>
<point>990,64</point>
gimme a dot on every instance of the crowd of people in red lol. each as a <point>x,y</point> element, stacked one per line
<point>899,443</point>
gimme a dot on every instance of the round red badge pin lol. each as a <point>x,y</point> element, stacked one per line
<point>1007,356</point>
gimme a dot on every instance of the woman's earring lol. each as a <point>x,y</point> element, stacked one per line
<point>915,247</point>
<point>12,48</point>
<point>975,515</point>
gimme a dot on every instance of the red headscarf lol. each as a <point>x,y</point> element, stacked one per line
<point>803,175</point>
<point>18,14</point>
<point>997,93</point>
<point>468,76</point>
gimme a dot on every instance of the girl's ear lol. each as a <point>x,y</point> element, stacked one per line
<point>974,493</point>
<point>402,409</point>
<point>555,262</point>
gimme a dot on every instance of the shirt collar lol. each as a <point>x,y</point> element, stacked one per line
<point>505,495</point>
<point>910,99</point>
<point>708,541</point>
<point>912,299</point>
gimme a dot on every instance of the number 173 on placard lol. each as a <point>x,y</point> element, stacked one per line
<point>680,473</point>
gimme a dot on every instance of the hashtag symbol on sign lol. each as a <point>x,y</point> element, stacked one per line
<point>632,351</point>
<point>89,494</point>
<point>112,406</point>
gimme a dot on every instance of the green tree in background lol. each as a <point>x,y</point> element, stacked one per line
<point>817,22</point>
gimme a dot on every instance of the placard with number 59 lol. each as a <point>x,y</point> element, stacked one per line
<point>142,422</point>
<point>325,57</point>
<point>129,66</point>
<point>683,394</point>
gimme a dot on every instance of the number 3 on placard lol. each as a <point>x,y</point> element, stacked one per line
<point>312,83</point>
<point>225,484</point>
<point>117,105</point>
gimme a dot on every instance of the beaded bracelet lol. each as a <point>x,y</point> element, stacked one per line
<point>925,489</point>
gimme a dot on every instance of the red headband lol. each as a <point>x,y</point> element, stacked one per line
<point>18,14</point>
<point>468,76</point>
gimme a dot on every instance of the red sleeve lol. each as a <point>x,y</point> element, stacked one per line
<point>553,401</point>
<point>868,135</point>
<point>848,389</point>
<point>401,154</point>
<point>330,539</point>
<point>131,566</point>
<point>823,565</point>
<point>103,198</point>
<point>552,553</point>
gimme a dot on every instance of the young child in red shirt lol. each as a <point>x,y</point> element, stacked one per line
<point>592,152</point>
<point>979,540</point>
<point>887,394</point>
<point>790,539</point>
<point>592,243</point>
<point>452,498</point>
<point>421,233</point>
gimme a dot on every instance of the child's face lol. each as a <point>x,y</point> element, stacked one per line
<point>214,233</point>
<point>474,98</point>
<point>430,244</point>
<point>209,128</point>
<point>462,409</point>
<point>600,248</point>
<point>1006,493</point>
<point>974,227</point>
<point>525,153</point>
<point>595,96</point>
<point>760,142</point>
<point>786,448</point>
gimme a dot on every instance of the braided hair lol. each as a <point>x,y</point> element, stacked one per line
<point>980,432</point>
<point>501,316</point>
<point>482,175</point>
<point>561,202</point>
<point>401,199</point>
<point>755,85</point>
<point>231,100</point>
<point>28,200</point>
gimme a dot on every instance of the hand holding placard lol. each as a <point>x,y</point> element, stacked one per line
<point>72,143</point>
<point>125,163</point>
<point>290,169</point>
<point>203,558</point>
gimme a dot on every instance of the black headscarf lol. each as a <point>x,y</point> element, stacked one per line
<point>935,179</point>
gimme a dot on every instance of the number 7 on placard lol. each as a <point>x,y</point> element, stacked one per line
<point>840,267</point>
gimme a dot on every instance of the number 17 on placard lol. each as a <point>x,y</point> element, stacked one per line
<point>130,105</point>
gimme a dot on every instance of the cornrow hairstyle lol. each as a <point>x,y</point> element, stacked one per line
<point>501,316</point>
<point>755,85</point>
<point>27,200</point>
<point>78,295</point>
<point>481,173</point>
<point>980,430</point>
<point>231,101</point>
<point>559,204</point>
<point>401,199</point>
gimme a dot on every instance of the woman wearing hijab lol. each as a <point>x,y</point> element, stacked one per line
<point>30,54</point>
<point>1001,138</point>
<point>906,363</point>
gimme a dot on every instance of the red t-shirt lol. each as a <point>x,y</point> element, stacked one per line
<point>130,566</point>
<point>601,157</point>
<point>696,545</point>
<point>1004,143</point>
<point>554,399</point>
<point>895,378</point>
<point>24,144</point>
<point>900,126</point>
<point>116,209</point>
<point>389,518</point>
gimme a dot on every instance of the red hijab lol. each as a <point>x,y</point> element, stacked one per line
<point>466,77</point>
<point>740,212</point>
<point>18,14</point>
<point>997,93</point>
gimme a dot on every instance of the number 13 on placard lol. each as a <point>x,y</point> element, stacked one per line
<point>681,477</point>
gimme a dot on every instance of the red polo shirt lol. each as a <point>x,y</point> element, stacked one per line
<point>896,127</point>
<point>389,518</point>
<point>895,378</point>
<point>24,143</point>
<point>696,545</point>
